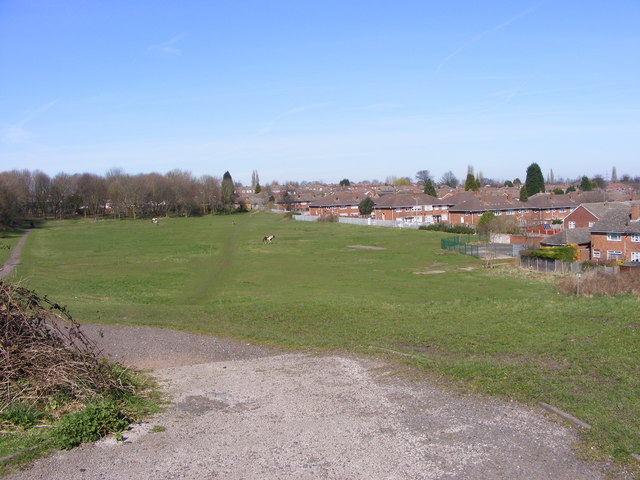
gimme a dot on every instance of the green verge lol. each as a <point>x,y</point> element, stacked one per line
<point>27,434</point>
<point>497,332</point>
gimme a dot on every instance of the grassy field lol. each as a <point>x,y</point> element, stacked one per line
<point>495,331</point>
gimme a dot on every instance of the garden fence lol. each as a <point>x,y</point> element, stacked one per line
<point>479,246</point>
<point>550,265</point>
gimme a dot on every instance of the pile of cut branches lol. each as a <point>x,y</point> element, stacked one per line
<point>44,354</point>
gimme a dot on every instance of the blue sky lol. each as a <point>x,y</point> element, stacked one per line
<point>320,89</point>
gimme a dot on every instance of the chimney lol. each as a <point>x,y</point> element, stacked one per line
<point>572,196</point>
<point>509,196</point>
<point>552,196</point>
<point>634,196</point>
<point>635,212</point>
<point>485,199</point>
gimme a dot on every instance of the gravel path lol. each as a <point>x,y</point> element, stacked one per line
<point>14,258</point>
<point>246,412</point>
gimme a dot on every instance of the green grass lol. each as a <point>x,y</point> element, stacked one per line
<point>8,240</point>
<point>494,331</point>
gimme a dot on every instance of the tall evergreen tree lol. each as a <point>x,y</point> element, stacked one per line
<point>534,181</point>
<point>524,196</point>
<point>585,184</point>
<point>471,183</point>
<point>429,189</point>
<point>227,190</point>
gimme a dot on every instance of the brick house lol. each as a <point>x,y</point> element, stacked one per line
<point>469,211</point>
<point>540,209</point>
<point>544,208</point>
<point>417,208</point>
<point>342,204</point>
<point>617,235</point>
<point>587,214</point>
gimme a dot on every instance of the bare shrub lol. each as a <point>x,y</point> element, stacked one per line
<point>600,283</point>
<point>44,354</point>
<point>331,218</point>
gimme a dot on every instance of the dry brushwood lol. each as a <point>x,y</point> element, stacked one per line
<point>43,353</point>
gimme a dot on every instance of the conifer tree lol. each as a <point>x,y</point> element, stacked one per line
<point>429,188</point>
<point>534,181</point>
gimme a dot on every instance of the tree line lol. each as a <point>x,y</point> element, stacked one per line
<point>26,194</point>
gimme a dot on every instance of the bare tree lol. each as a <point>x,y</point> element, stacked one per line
<point>448,178</point>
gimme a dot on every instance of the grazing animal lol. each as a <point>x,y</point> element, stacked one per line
<point>268,238</point>
<point>154,220</point>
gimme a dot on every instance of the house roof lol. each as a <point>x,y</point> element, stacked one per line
<point>338,198</point>
<point>579,236</point>
<point>484,204</point>
<point>550,200</point>
<point>404,200</point>
<point>600,209</point>
<point>617,220</point>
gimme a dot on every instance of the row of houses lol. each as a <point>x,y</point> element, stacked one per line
<point>604,231</point>
<point>463,208</point>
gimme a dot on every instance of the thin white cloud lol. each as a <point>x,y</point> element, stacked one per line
<point>16,134</point>
<point>479,37</point>
<point>269,126</point>
<point>382,106</point>
<point>168,48</point>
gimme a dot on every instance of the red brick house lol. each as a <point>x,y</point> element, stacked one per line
<point>540,209</point>
<point>419,208</point>
<point>342,204</point>
<point>617,235</point>
<point>587,214</point>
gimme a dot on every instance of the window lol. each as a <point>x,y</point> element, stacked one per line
<point>444,218</point>
<point>429,208</point>
<point>635,256</point>
<point>398,210</point>
<point>613,254</point>
<point>497,213</point>
<point>572,225</point>
<point>591,224</point>
<point>596,254</point>
<point>635,238</point>
<point>614,237</point>
<point>511,212</point>
<point>417,208</point>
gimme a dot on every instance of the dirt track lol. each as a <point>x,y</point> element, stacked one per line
<point>244,412</point>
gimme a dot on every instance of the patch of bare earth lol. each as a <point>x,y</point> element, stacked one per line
<point>366,247</point>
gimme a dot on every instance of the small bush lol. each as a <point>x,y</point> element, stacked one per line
<point>567,253</point>
<point>22,415</point>
<point>289,215</point>
<point>90,424</point>
<point>444,227</point>
<point>328,218</point>
<point>599,283</point>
